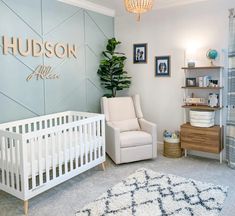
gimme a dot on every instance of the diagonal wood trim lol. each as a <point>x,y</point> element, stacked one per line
<point>91,18</point>
<point>10,53</point>
<point>19,103</point>
<point>63,22</point>
<point>21,18</point>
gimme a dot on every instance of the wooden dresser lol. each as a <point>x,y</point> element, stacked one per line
<point>202,139</point>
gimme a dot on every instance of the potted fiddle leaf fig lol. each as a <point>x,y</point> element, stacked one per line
<point>111,70</point>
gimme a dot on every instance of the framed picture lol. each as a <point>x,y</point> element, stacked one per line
<point>140,53</point>
<point>162,66</point>
<point>191,82</point>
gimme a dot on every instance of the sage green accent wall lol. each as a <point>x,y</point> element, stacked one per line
<point>78,87</point>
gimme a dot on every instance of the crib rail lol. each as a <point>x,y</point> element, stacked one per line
<point>38,154</point>
<point>44,122</point>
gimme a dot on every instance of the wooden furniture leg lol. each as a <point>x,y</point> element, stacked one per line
<point>26,207</point>
<point>103,166</point>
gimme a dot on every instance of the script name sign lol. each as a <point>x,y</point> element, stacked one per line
<point>36,48</point>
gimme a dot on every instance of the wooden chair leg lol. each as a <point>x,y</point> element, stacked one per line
<point>103,166</point>
<point>26,207</point>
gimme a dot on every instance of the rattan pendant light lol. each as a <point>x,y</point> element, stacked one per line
<point>138,6</point>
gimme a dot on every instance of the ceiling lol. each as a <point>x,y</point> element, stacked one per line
<point>118,5</point>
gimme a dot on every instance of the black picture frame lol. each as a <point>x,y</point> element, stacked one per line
<point>140,53</point>
<point>191,82</point>
<point>162,66</point>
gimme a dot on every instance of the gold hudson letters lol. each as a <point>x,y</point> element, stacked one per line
<point>37,48</point>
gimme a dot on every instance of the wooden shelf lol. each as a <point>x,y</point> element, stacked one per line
<point>197,87</point>
<point>202,107</point>
<point>203,68</point>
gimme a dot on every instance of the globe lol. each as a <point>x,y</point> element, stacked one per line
<point>212,54</point>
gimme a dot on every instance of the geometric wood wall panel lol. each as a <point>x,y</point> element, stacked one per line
<point>96,44</point>
<point>93,96</point>
<point>78,87</point>
<point>105,24</point>
<point>55,13</point>
<point>11,110</point>
<point>26,10</point>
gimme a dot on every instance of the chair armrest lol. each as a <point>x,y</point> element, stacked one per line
<point>150,128</point>
<point>147,126</point>
<point>113,142</point>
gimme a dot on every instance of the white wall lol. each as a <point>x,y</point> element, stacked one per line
<point>170,32</point>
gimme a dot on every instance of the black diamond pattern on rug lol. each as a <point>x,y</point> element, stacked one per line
<point>155,194</point>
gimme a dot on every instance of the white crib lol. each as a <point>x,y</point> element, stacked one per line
<point>39,153</point>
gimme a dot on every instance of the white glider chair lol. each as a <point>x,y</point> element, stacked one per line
<point>128,136</point>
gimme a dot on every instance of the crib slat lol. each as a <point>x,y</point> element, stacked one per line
<point>65,151</point>
<point>53,155</point>
<point>90,141</point>
<point>17,164</point>
<point>32,144</point>
<point>47,159</point>
<point>76,144</point>
<point>40,171</point>
<point>11,145</point>
<point>23,128</point>
<point>95,138</point>
<point>85,143</point>
<point>103,137</point>
<point>7,162</point>
<point>70,148</point>
<point>98,136</point>
<point>81,144</point>
<point>59,155</point>
<point>41,124</point>
<point>2,160</point>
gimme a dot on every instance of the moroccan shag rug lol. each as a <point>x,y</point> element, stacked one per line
<point>148,193</point>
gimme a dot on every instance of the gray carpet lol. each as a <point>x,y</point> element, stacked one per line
<point>69,197</point>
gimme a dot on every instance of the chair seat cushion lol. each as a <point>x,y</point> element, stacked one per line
<point>134,138</point>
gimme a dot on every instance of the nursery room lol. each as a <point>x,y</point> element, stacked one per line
<point>117,108</point>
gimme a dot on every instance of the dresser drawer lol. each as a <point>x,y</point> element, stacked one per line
<point>201,139</point>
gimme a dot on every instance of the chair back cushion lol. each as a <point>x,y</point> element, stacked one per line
<point>127,125</point>
<point>121,108</point>
<point>121,112</point>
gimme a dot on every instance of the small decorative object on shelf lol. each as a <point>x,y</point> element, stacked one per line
<point>206,81</point>
<point>172,148</point>
<point>214,83</point>
<point>191,64</point>
<point>213,100</point>
<point>212,54</point>
<point>191,82</point>
<point>195,101</point>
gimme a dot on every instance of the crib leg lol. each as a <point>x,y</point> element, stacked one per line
<point>26,207</point>
<point>103,166</point>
